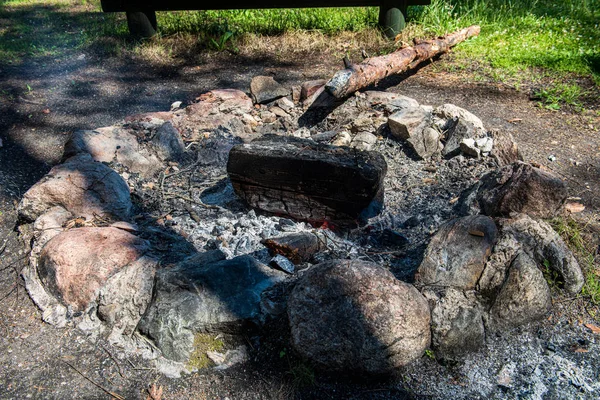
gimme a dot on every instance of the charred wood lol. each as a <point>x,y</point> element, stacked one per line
<point>309,181</point>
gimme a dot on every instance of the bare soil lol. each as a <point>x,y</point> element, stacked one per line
<point>85,91</point>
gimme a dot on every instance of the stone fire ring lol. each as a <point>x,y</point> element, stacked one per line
<point>91,265</point>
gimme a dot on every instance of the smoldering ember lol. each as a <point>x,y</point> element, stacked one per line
<point>380,230</point>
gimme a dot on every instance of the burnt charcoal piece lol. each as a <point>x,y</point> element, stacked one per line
<point>305,180</point>
<point>297,247</point>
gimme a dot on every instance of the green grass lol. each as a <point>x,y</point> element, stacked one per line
<point>268,22</point>
<point>554,42</point>
<point>573,233</point>
<point>554,45</point>
<point>204,342</point>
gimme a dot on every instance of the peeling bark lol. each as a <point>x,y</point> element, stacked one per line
<point>372,70</point>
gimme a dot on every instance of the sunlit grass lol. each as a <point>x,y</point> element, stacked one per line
<point>529,40</point>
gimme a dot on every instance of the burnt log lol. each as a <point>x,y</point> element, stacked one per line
<point>309,181</point>
<point>372,70</point>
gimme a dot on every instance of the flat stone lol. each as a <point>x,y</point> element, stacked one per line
<point>76,264</point>
<point>113,144</point>
<point>363,141</point>
<point>265,89</point>
<point>457,253</point>
<point>217,109</point>
<point>391,102</point>
<point>450,112</point>
<point>356,317</point>
<point>524,297</point>
<point>204,294</point>
<point>521,188</point>
<point>81,186</point>
<point>408,122</point>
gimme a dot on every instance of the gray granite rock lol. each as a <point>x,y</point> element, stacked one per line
<point>545,246</point>
<point>408,122</point>
<point>113,144</point>
<point>81,186</point>
<point>521,188</point>
<point>355,316</point>
<point>265,89</point>
<point>457,253</point>
<point>168,142</point>
<point>456,324</point>
<point>524,297</point>
<point>204,293</point>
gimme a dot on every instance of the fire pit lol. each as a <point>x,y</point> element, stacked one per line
<point>390,226</point>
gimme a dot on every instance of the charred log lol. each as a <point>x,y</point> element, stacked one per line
<point>306,180</point>
<point>372,70</point>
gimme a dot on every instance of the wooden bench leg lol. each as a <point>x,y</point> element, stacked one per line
<point>142,24</point>
<point>391,16</point>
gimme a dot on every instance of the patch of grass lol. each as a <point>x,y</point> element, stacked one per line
<point>539,43</point>
<point>268,21</point>
<point>572,233</point>
<point>554,40</point>
<point>552,277</point>
<point>204,342</point>
<point>567,93</point>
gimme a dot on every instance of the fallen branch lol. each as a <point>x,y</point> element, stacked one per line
<point>372,70</point>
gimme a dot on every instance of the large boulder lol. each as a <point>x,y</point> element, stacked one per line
<point>521,188</point>
<point>291,176</point>
<point>83,187</point>
<point>524,296</point>
<point>205,293</point>
<point>74,265</point>
<point>457,253</point>
<point>113,144</point>
<point>355,316</point>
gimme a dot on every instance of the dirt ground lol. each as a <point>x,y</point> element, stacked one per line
<point>83,91</point>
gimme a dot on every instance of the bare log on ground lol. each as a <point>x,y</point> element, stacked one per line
<point>372,70</point>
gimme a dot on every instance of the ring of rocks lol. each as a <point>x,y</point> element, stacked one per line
<point>379,227</point>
